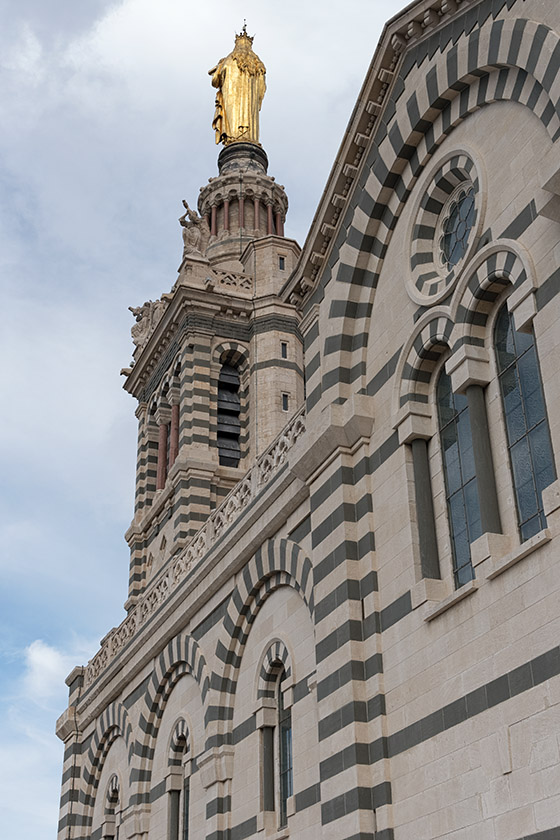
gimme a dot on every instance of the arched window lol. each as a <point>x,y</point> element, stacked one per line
<point>110,828</point>
<point>276,740</point>
<point>179,793</point>
<point>529,445</point>
<point>461,487</point>
<point>229,409</point>
<point>285,769</point>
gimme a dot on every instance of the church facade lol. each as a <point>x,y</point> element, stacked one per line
<point>342,617</point>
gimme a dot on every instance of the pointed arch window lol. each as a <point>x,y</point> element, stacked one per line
<point>461,488</point>
<point>229,414</point>
<point>528,435</point>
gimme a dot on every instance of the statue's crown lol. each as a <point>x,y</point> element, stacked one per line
<point>244,35</point>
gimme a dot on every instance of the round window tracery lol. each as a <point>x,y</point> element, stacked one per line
<point>445,229</point>
<point>457,225</point>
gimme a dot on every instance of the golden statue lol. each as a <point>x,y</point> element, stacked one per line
<point>241,87</point>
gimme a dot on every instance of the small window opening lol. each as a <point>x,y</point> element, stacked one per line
<point>285,399</point>
<point>229,411</point>
<point>281,263</point>
<point>284,349</point>
<point>285,752</point>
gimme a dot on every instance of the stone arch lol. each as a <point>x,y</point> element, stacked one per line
<point>275,656</point>
<point>419,358</point>
<point>112,724</point>
<point>231,353</point>
<point>502,263</point>
<point>112,794</point>
<point>277,563</point>
<point>178,743</point>
<point>237,355</point>
<point>500,61</point>
<point>180,657</point>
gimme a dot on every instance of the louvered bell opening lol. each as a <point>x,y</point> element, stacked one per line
<point>229,376</point>
<point>228,450</point>
<point>228,401</point>
<point>229,424</point>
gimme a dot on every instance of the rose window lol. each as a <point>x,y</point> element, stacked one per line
<point>456,228</point>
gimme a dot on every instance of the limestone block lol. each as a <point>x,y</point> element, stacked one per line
<point>216,765</point>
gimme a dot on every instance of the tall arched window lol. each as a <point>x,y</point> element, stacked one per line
<point>461,488</point>
<point>276,741</point>
<point>285,769</point>
<point>229,410</point>
<point>179,794</point>
<point>529,445</point>
<point>110,828</point>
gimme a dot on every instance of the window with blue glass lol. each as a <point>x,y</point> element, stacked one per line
<point>530,449</point>
<point>284,751</point>
<point>460,478</point>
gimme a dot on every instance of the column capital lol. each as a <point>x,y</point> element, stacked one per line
<point>469,365</point>
<point>216,765</point>
<point>140,410</point>
<point>414,420</point>
<point>163,415</point>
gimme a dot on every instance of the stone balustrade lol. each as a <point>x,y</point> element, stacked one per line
<point>178,568</point>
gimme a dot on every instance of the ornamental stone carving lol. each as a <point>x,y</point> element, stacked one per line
<point>147,317</point>
<point>196,233</point>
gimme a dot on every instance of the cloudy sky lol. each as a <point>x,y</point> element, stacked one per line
<point>105,125</point>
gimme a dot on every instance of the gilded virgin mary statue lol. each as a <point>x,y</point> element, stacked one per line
<point>240,80</point>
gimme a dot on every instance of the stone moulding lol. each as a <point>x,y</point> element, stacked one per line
<point>417,21</point>
<point>179,567</point>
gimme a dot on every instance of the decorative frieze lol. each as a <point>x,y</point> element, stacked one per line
<point>179,567</point>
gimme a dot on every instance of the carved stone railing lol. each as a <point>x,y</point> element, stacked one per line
<point>230,280</point>
<point>178,568</point>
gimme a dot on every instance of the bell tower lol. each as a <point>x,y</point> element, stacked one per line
<point>218,360</point>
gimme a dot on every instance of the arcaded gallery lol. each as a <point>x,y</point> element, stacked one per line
<point>343,613</point>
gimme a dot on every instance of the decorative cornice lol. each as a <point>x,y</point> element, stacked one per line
<point>417,22</point>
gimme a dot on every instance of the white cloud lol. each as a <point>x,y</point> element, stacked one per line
<point>24,57</point>
<point>46,669</point>
<point>30,752</point>
<point>40,682</point>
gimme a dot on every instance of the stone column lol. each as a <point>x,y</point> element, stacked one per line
<point>162,455</point>
<point>415,427</point>
<point>279,224</point>
<point>174,437</point>
<point>226,214</point>
<point>241,212</point>
<point>214,221</point>
<point>269,219</point>
<point>69,731</point>
<point>429,556</point>
<point>141,455</point>
<point>174,816</point>
<point>215,766</point>
<point>266,719</point>
<point>257,205</point>
<point>483,462</point>
<point>352,790</point>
